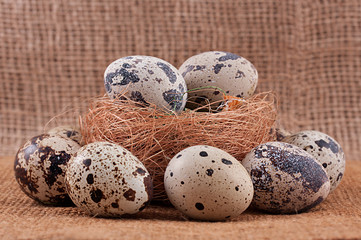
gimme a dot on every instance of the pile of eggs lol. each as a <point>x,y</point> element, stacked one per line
<point>203,182</point>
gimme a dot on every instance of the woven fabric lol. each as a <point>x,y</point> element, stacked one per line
<point>338,217</point>
<point>53,55</point>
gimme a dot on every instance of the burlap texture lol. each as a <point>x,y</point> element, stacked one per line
<point>53,55</point>
<point>338,217</point>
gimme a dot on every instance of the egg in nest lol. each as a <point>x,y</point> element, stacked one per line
<point>146,80</point>
<point>233,74</point>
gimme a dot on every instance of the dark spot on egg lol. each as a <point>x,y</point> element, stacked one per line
<point>168,71</point>
<point>199,67</point>
<point>138,97</point>
<point>174,99</point>
<point>90,179</point>
<point>123,74</point>
<point>188,69</point>
<point>340,175</point>
<point>87,162</point>
<point>96,195</point>
<point>203,154</point>
<point>171,174</point>
<point>216,92</point>
<point>240,74</point>
<point>115,205</point>
<point>130,195</point>
<point>217,68</point>
<point>71,133</point>
<point>141,171</point>
<point>324,165</point>
<point>181,88</point>
<point>25,181</point>
<point>228,56</point>
<point>199,206</point>
<point>227,162</point>
<point>126,65</point>
<point>209,172</point>
<point>330,145</point>
<point>312,175</point>
<point>56,160</point>
<point>148,184</point>
<point>179,155</point>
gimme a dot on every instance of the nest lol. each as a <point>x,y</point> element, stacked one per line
<point>155,136</point>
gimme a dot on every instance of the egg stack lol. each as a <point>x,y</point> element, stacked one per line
<point>203,182</point>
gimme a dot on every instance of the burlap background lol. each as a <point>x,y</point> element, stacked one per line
<point>53,55</point>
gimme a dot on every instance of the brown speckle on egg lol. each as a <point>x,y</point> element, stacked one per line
<point>40,167</point>
<point>108,176</point>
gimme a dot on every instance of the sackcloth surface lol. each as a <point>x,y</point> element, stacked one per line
<point>338,217</point>
<point>53,55</point>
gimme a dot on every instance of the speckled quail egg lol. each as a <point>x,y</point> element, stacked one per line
<point>68,131</point>
<point>325,150</point>
<point>207,183</point>
<point>286,179</point>
<point>233,74</point>
<point>146,79</point>
<point>106,180</point>
<point>40,166</point>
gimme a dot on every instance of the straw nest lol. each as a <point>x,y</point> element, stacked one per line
<point>155,136</point>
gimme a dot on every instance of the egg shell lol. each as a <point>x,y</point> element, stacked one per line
<point>106,180</point>
<point>69,132</point>
<point>286,179</point>
<point>40,166</point>
<point>146,79</point>
<point>325,150</point>
<point>207,183</point>
<point>234,74</point>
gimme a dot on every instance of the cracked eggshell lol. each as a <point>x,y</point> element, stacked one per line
<point>146,79</point>
<point>325,150</point>
<point>106,180</point>
<point>40,166</point>
<point>68,132</point>
<point>232,73</point>
<point>207,183</point>
<point>286,179</point>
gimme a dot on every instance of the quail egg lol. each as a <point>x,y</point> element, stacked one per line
<point>146,79</point>
<point>235,75</point>
<point>286,179</point>
<point>207,183</point>
<point>68,131</point>
<point>40,166</point>
<point>325,150</point>
<point>106,180</point>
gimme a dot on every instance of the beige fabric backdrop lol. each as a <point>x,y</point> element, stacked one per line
<point>53,55</point>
